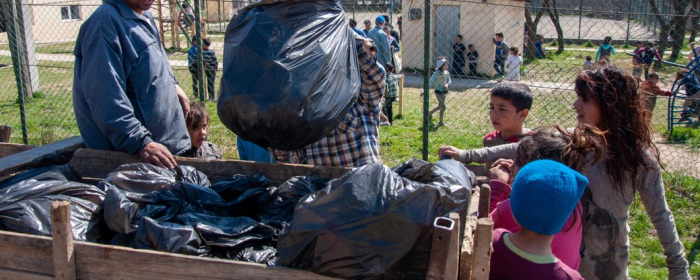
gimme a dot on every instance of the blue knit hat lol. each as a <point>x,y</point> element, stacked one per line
<point>544,195</point>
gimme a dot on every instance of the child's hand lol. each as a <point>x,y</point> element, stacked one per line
<point>447,86</point>
<point>502,170</point>
<point>448,151</point>
<point>421,94</point>
<point>499,173</point>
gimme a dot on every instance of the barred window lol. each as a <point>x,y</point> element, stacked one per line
<point>70,13</point>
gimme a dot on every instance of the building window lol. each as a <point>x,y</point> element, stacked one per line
<point>70,13</point>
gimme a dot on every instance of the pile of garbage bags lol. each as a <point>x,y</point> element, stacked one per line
<point>290,72</point>
<point>371,222</point>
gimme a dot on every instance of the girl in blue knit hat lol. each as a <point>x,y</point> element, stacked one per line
<point>544,195</point>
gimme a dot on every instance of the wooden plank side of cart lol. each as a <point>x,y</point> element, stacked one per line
<point>31,255</point>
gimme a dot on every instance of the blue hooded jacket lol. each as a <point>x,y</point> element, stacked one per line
<point>123,87</point>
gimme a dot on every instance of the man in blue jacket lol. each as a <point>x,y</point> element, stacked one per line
<point>125,95</point>
<point>381,40</point>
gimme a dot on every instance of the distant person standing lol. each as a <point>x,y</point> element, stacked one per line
<point>501,54</point>
<point>381,40</point>
<point>368,26</point>
<point>647,55</point>
<point>473,57</point>
<point>398,22</point>
<point>192,66</point>
<point>211,64</point>
<point>353,26</point>
<point>458,56</point>
<point>513,64</point>
<point>605,50</point>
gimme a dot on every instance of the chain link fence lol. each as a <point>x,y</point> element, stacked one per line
<point>36,52</point>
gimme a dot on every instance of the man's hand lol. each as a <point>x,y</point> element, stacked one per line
<point>184,101</point>
<point>157,154</point>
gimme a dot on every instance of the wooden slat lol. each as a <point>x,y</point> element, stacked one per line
<point>12,274</point>
<point>7,149</point>
<point>19,161</point>
<point>25,252</point>
<point>95,261</point>
<point>482,248</point>
<point>62,236</point>
<point>97,164</point>
<point>452,263</point>
<point>5,131</point>
<point>467,251</point>
<point>484,200</point>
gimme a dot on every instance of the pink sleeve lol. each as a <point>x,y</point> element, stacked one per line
<point>500,191</point>
<point>502,217</point>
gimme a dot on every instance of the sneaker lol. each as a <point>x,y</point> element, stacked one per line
<point>384,124</point>
<point>441,124</point>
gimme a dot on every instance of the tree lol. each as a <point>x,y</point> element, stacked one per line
<point>531,30</point>
<point>677,25</point>
<point>554,15</point>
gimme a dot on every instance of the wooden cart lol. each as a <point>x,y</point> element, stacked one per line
<point>461,245</point>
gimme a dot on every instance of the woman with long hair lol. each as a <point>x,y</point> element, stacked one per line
<point>608,100</point>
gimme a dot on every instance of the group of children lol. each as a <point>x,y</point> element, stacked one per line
<point>560,197</point>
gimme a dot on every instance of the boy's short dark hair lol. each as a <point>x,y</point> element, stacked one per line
<point>367,21</point>
<point>206,42</point>
<point>514,49</point>
<point>589,58</point>
<point>650,44</point>
<point>353,22</point>
<point>197,115</point>
<point>517,93</point>
<point>499,34</point>
<point>653,75</point>
<point>470,45</point>
<point>460,37</point>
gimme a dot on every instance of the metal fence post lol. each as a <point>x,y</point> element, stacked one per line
<point>200,50</point>
<point>426,75</point>
<point>16,54</point>
<point>629,19</point>
<point>580,16</point>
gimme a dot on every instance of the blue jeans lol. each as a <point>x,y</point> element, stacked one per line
<point>500,65</point>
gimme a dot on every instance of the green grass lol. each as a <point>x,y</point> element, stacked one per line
<point>687,135</point>
<point>646,253</point>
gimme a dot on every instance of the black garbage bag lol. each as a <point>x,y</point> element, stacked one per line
<point>168,237</point>
<point>373,223</point>
<point>25,203</point>
<point>145,178</point>
<point>301,74</point>
<point>237,219</point>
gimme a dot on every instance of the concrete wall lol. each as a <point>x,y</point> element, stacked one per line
<point>478,23</point>
<point>47,25</point>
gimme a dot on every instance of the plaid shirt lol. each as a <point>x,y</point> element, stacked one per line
<point>392,86</point>
<point>356,140</point>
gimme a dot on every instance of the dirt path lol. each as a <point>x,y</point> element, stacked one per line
<point>678,157</point>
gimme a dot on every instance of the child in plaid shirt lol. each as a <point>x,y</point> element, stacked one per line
<point>392,92</point>
<point>356,140</point>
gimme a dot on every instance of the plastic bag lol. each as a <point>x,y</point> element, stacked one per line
<point>238,218</point>
<point>25,203</point>
<point>290,73</point>
<point>373,222</point>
